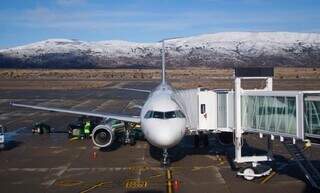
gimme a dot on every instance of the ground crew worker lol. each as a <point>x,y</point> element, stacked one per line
<point>87,127</point>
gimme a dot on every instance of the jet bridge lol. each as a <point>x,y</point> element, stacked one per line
<point>286,114</point>
<point>277,114</point>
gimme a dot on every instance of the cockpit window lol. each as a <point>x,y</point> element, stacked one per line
<point>164,115</point>
<point>180,114</point>
<point>148,115</point>
<point>158,115</point>
<point>170,114</point>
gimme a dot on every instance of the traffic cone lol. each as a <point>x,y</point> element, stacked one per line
<point>176,185</point>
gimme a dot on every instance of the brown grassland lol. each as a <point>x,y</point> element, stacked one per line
<point>284,78</point>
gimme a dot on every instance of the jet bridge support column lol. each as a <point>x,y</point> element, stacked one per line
<point>238,131</point>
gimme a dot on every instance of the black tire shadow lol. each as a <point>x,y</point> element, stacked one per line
<point>9,145</point>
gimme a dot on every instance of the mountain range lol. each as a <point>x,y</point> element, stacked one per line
<point>228,49</point>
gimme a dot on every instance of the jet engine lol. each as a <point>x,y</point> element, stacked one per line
<point>103,135</point>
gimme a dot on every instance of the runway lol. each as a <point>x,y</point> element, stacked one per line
<point>54,163</point>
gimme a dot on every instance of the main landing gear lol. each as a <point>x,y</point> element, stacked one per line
<point>165,158</point>
<point>129,135</point>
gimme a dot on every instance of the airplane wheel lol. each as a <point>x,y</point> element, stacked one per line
<point>248,173</point>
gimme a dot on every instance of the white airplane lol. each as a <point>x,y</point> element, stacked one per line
<point>162,121</point>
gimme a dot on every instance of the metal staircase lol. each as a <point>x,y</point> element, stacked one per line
<point>310,172</point>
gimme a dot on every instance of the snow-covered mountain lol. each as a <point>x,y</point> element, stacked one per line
<point>216,50</point>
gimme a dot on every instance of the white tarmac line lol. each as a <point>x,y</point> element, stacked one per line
<point>61,170</point>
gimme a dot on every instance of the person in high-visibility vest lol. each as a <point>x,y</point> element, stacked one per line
<point>87,127</point>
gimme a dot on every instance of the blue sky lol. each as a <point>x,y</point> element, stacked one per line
<point>26,21</point>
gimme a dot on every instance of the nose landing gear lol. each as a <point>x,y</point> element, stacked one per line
<point>165,158</point>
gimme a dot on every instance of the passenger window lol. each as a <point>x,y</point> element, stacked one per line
<point>170,115</point>
<point>203,108</point>
<point>158,115</point>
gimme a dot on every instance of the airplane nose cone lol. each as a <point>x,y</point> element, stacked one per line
<point>165,136</point>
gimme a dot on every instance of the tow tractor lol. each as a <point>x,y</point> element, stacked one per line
<point>41,128</point>
<point>76,129</point>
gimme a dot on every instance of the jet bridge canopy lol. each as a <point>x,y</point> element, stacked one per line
<point>284,113</point>
<point>312,115</point>
<point>272,112</point>
<point>294,114</point>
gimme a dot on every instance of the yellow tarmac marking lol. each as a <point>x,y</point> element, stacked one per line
<point>201,167</point>
<point>169,181</point>
<point>100,184</point>
<point>68,183</point>
<point>155,176</point>
<point>268,177</point>
<point>221,159</point>
<point>141,168</point>
<point>135,183</point>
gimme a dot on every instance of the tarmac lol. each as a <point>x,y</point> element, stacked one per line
<point>54,163</point>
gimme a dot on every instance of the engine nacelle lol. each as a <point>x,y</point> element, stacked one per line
<point>103,135</point>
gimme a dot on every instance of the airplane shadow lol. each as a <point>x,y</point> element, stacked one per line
<point>144,191</point>
<point>183,149</point>
<point>281,165</point>
<point>114,146</point>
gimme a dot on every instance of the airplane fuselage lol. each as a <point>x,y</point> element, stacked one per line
<point>162,121</point>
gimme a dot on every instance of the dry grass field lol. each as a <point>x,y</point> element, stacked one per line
<point>284,79</point>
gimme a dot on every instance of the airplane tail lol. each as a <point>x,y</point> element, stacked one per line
<point>163,64</point>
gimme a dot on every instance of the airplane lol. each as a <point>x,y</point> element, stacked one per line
<point>162,121</point>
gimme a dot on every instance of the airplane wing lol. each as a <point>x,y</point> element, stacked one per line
<point>126,118</point>
<point>134,89</point>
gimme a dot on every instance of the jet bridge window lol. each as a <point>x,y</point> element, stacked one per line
<point>203,108</point>
<point>312,117</point>
<point>269,113</point>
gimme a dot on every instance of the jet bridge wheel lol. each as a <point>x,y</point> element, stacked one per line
<point>248,173</point>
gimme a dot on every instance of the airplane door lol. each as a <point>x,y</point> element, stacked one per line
<point>207,102</point>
